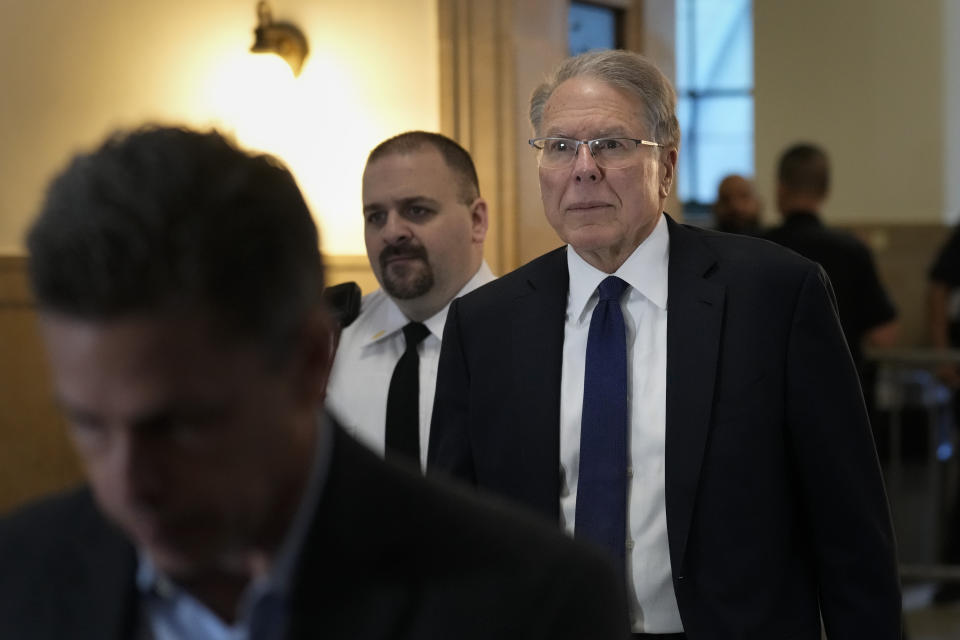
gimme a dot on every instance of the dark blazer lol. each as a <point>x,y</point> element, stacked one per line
<point>775,506</point>
<point>390,555</point>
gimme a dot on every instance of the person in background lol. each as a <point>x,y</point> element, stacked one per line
<point>738,208</point>
<point>682,398</point>
<point>943,323</point>
<point>867,314</point>
<point>424,225</point>
<point>178,281</point>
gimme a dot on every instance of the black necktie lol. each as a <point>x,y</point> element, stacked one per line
<point>601,511</point>
<point>403,399</point>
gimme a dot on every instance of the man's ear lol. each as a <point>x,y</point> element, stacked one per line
<point>479,220</point>
<point>668,167</point>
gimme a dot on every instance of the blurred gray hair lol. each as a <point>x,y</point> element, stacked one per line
<point>625,70</point>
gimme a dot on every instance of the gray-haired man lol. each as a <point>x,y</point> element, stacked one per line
<point>683,398</point>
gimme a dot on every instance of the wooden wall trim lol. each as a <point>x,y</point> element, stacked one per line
<point>14,290</point>
<point>477,109</point>
<point>356,268</point>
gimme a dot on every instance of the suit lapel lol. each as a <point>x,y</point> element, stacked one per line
<point>537,335</point>
<point>343,586</point>
<point>694,327</point>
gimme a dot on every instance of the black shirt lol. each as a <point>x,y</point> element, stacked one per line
<point>946,270</point>
<point>861,300</point>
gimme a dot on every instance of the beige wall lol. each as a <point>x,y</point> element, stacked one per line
<point>863,78</point>
<point>950,74</point>
<point>71,70</point>
<point>541,43</point>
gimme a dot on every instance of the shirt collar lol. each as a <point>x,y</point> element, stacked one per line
<point>390,319</point>
<point>645,271</point>
<point>279,580</point>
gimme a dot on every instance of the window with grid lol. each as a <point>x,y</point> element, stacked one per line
<point>714,49</point>
<point>593,25</point>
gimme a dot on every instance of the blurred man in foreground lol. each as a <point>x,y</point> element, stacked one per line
<point>179,286</point>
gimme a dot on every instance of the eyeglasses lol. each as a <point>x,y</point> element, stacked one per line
<point>609,153</point>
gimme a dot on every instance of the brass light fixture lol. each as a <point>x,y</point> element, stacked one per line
<point>281,38</point>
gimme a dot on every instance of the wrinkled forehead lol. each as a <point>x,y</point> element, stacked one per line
<point>585,106</point>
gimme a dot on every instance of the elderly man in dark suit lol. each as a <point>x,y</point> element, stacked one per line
<point>682,398</point>
<point>179,283</point>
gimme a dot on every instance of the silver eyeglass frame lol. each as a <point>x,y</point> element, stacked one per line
<point>534,142</point>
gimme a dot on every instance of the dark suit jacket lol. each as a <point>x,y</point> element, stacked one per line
<point>774,501</point>
<point>390,555</point>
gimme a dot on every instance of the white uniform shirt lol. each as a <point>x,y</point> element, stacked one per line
<point>653,603</point>
<point>366,356</point>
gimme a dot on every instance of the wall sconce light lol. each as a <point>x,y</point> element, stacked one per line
<point>281,38</point>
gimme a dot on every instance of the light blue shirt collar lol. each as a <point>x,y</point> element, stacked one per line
<point>169,612</point>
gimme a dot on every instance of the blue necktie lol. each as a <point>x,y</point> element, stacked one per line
<point>601,512</point>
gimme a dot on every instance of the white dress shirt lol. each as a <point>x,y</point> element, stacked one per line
<point>653,603</point>
<point>366,356</point>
